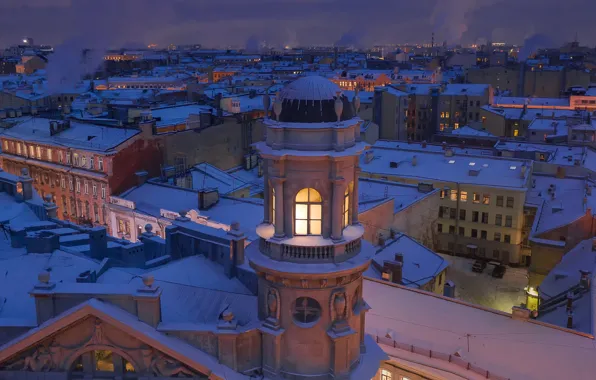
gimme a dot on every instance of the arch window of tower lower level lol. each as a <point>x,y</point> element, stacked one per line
<point>273,206</point>
<point>346,213</point>
<point>309,212</point>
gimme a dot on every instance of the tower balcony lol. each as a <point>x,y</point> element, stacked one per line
<point>310,249</point>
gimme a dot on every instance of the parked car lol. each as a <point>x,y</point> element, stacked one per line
<point>499,271</point>
<point>479,266</point>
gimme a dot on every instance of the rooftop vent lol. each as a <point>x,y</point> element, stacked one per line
<point>393,164</point>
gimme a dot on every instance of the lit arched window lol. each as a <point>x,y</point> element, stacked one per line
<point>346,219</point>
<point>273,206</point>
<point>309,212</point>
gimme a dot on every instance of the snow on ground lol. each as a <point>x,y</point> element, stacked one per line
<point>485,290</point>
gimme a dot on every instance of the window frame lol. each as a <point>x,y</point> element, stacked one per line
<point>309,219</point>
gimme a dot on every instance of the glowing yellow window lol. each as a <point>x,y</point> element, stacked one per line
<point>309,212</point>
<point>273,206</point>
<point>346,220</point>
<point>515,133</point>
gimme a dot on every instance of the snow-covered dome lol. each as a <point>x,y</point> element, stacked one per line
<point>310,88</point>
<point>312,99</point>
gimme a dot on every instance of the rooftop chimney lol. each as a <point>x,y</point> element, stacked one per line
<point>569,301</point>
<point>448,152</point>
<point>569,319</point>
<point>141,177</point>
<point>444,145</point>
<point>584,281</point>
<point>423,144</point>
<point>520,313</point>
<point>414,160</point>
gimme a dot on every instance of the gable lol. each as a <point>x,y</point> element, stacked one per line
<point>98,327</point>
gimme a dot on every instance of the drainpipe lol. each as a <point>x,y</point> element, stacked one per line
<point>457,204</point>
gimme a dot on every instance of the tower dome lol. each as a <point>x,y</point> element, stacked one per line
<point>312,99</point>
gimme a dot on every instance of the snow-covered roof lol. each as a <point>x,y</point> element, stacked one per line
<point>567,205</point>
<point>421,264</point>
<point>488,171</point>
<point>310,88</point>
<point>207,176</point>
<point>550,126</point>
<point>79,135</point>
<point>503,101</point>
<point>487,338</point>
<point>177,114</point>
<point>371,193</point>
<point>454,89</point>
<point>469,131</point>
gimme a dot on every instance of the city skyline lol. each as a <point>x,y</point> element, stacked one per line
<point>292,22</point>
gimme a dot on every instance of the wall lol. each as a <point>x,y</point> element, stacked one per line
<point>419,219</point>
<point>377,221</point>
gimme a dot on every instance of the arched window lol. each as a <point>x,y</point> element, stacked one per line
<point>272,205</point>
<point>346,218</point>
<point>309,212</point>
<point>103,364</point>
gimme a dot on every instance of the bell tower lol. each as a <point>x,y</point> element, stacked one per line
<point>310,256</point>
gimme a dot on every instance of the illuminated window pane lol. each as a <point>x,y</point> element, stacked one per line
<point>301,227</point>
<point>314,196</point>
<point>103,361</point>
<point>302,196</point>
<point>128,367</point>
<point>345,219</point>
<point>273,205</point>
<point>301,212</point>
<point>77,365</point>
<point>315,227</point>
<point>316,212</point>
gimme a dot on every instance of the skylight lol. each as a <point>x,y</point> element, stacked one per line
<point>485,165</point>
<point>513,167</point>
<point>452,161</point>
<point>472,163</point>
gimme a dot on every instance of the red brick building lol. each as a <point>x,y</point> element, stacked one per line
<point>79,164</point>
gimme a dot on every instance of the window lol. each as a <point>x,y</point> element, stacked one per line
<point>453,195</point>
<point>94,189</point>
<point>474,216</point>
<point>309,211</point>
<point>31,151</point>
<point>306,310</point>
<point>510,202</point>
<point>60,156</point>
<point>386,375</point>
<point>86,186</point>
<point>78,185</point>
<point>444,193</point>
<point>83,161</point>
<point>68,158</point>
<point>70,184</point>
<point>498,219</point>
<point>139,230</point>
<point>499,201</point>
<point>96,212</point>
<point>104,361</point>
<point>486,199</point>
<point>452,213</point>
<point>439,227</point>
<point>18,148</point>
<point>485,217</point>
<point>476,198</point>
<point>452,230</point>
<point>121,227</point>
<point>464,196</point>
<point>273,205</point>
<point>103,191</point>
<point>462,231</point>
<point>497,236</point>
<point>100,163</point>
<point>483,235</point>
<point>91,162</point>
<point>474,233</point>
<point>462,214</point>
<point>6,145</point>
<point>507,239</point>
<point>75,159</point>
<point>346,218</point>
<point>508,221</point>
<point>38,151</point>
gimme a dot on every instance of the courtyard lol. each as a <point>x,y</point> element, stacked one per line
<point>483,289</point>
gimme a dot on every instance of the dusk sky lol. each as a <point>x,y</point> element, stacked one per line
<point>112,23</point>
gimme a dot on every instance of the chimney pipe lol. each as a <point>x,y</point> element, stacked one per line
<point>570,319</point>
<point>424,144</point>
<point>399,257</point>
<point>569,301</point>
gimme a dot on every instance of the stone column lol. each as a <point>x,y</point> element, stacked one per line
<point>278,185</point>
<point>357,171</point>
<point>337,209</point>
<point>271,351</point>
<point>267,195</point>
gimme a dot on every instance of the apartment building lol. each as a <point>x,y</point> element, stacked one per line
<point>365,80</point>
<point>390,113</point>
<point>481,210</point>
<point>80,165</point>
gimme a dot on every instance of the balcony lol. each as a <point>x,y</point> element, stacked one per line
<point>312,249</point>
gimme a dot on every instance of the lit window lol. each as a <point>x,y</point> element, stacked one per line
<point>346,207</point>
<point>49,152</point>
<point>464,196</point>
<point>476,198</point>
<point>18,148</point>
<point>60,156</point>
<point>38,150</point>
<point>83,161</point>
<point>103,361</point>
<point>273,206</point>
<point>309,211</point>
<point>456,126</point>
<point>453,196</point>
<point>100,163</point>
<point>75,159</point>
<point>386,375</point>
<point>515,133</point>
<point>91,162</point>
<point>31,151</point>
<point>452,161</point>
<point>5,145</point>
<point>68,158</point>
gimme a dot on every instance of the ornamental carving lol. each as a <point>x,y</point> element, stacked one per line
<point>273,304</point>
<point>338,306</point>
<point>39,360</point>
<point>161,365</point>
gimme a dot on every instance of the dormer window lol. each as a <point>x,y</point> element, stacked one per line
<point>309,212</point>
